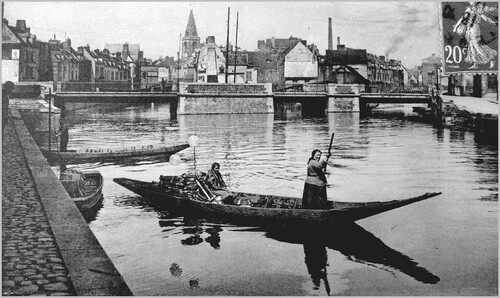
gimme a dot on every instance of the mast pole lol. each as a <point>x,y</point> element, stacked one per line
<point>179,61</point>
<point>50,120</point>
<point>227,42</point>
<point>236,46</point>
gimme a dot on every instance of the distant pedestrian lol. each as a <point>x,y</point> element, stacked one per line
<point>63,130</point>
<point>163,85</point>
<point>7,89</point>
<point>314,196</point>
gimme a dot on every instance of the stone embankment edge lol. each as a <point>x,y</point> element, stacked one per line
<point>90,269</point>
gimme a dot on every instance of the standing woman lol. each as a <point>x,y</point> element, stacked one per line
<point>314,196</point>
<point>477,51</point>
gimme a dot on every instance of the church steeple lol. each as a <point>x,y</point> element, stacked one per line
<point>190,41</point>
<point>191,27</point>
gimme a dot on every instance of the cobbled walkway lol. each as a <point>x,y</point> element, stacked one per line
<point>31,263</point>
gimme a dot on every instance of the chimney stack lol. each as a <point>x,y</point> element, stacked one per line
<point>66,44</point>
<point>21,24</point>
<point>210,39</point>
<point>330,37</point>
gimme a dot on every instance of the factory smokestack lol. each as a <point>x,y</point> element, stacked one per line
<point>330,37</point>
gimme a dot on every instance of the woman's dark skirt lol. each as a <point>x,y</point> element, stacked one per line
<point>314,197</point>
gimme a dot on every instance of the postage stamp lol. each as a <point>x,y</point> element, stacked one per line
<point>470,36</point>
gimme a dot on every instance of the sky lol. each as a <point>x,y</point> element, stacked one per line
<point>407,31</point>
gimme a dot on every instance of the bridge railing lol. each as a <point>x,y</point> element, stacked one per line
<point>323,88</point>
<point>388,88</point>
<point>109,87</point>
<point>302,87</point>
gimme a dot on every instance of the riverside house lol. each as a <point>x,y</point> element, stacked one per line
<point>20,53</point>
<point>65,65</point>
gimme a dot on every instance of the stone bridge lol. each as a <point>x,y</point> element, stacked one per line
<point>213,98</point>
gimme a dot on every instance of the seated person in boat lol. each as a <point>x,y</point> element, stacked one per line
<point>314,196</point>
<point>214,178</point>
<point>216,184</point>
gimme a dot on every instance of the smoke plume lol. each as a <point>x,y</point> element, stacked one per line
<point>408,20</point>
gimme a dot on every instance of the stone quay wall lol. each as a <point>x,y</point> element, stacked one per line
<point>47,247</point>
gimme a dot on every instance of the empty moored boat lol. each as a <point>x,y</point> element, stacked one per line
<point>70,157</point>
<point>84,187</point>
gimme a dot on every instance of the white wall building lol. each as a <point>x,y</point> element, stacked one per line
<point>301,64</point>
<point>210,63</point>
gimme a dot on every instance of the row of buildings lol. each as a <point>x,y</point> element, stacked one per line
<point>116,67</point>
<point>285,62</point>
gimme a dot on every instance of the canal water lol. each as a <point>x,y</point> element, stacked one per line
<point>446,245</point>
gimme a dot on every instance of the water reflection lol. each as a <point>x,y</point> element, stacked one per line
<point>350,239</point>
<point>214,238</point>
<point>357,244</point>
<point>91,214</point>
<point>192,240</point>
<point>316,260</point>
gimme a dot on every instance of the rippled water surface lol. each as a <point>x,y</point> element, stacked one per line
<point>447,245</point>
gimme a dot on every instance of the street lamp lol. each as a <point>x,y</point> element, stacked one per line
<point>193,141</point>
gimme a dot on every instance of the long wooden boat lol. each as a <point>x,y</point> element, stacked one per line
<point>84,187</point>
<point>260,209</point>
<point>82,157</point>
